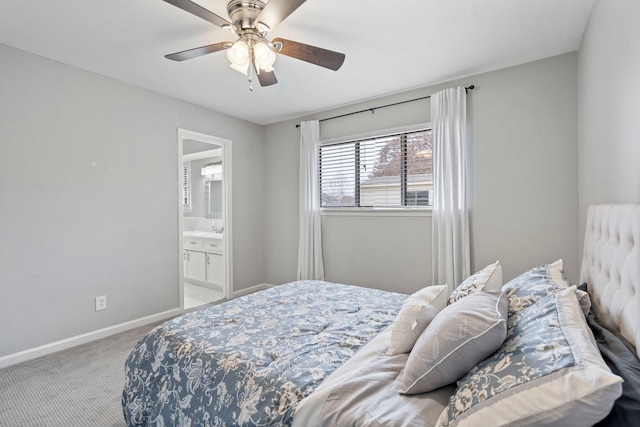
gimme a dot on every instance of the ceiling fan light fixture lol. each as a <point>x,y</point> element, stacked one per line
<point>264,57</point>
<point>238,55</point>
<point>243,69</point>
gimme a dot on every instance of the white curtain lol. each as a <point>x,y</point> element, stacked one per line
<point>451,253</point>
<point>310,265</point>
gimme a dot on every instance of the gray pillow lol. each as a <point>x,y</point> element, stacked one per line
<point>462,335</point>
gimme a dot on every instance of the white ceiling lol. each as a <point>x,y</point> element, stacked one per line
<point>390,46</point>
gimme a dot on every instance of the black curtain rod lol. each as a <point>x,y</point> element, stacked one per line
<point>372,109</point>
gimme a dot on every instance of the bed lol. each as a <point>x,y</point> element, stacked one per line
<point>535,350</point>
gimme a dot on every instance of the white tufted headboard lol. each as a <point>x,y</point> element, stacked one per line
<point>611,267</point>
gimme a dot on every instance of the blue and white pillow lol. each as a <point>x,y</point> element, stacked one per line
<point>548,371</point>
<point>537,283</point>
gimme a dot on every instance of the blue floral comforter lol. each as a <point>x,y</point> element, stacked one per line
<point>249,362</point>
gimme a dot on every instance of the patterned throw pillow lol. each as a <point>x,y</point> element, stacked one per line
<point>417,312</point>
<point>461,335</point>
<point>487,279</point>
<point>547,372</point>
<point>535,284</point>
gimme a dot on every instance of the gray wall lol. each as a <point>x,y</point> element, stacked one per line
<point>89,199</point>
<point>525,164</point>
<point>609,106</point>
<point>524,184</point>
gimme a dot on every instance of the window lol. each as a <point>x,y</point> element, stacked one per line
<point>186,185</point>
<point>388,171</point>
<point>417,198</point>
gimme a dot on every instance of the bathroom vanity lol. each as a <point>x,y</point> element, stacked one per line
<point>204,258</point>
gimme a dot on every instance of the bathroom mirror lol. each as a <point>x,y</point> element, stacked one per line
<point>202,181</point>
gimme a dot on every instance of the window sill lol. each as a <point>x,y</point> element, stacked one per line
<point>424,212</point>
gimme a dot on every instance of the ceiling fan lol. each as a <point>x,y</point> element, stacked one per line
<point>252,53</point>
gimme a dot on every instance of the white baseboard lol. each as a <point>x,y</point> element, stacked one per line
<point>43,350</point>
<point>64,344</point>
<point>252,289</point>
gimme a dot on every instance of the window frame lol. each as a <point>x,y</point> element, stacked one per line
<point>375,211</point>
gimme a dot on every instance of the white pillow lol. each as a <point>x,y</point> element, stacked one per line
<point>416,313</point>
<point>461,336</point>
<point>487,279</point>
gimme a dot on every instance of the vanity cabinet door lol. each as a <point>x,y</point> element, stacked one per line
<point>185,263</point>
<point>215,269</point>
<point>196,265</point>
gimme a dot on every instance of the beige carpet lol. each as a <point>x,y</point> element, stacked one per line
<point>81,386</point>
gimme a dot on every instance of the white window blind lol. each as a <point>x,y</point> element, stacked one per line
<point>388,171</point>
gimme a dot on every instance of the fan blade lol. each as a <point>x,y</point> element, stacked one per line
<point>199,11</point>
<point>267,78</point>
<point>277,11</point>
<point>314,55</point>
<point>198,51</point>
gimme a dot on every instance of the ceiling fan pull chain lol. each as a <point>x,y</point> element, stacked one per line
<point>251,69</point>
<point>251,72</point>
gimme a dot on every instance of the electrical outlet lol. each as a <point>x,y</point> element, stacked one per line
<point>101,302</point>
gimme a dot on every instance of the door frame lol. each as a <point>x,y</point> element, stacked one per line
<point>184,134</point>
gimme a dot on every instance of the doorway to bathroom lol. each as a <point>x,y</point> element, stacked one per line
<point>205,269</point>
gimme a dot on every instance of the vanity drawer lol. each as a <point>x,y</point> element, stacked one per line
<point>193,243</point>
<point>212,245</point>
<point>206,245</point>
